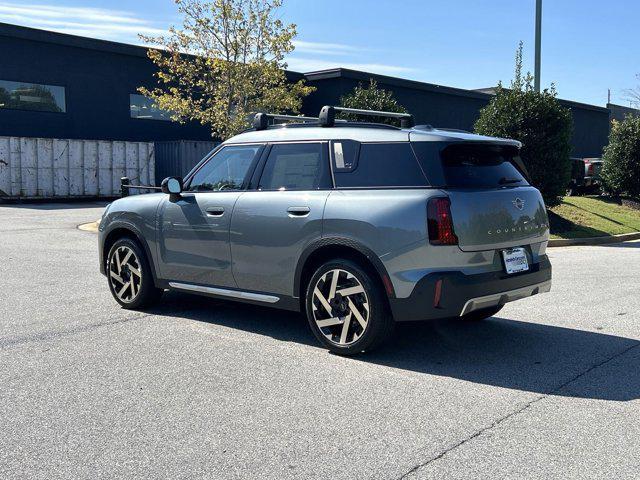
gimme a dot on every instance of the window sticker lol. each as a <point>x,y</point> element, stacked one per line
<point>339,156</point>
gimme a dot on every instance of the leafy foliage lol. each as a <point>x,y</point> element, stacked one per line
<point>371,98</point>
<point>541,123</point>
<point>621,169</point>
<point>225,63</point>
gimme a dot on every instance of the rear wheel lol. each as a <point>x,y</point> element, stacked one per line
<point>129,275</point>
<point>482,314</point>
<point>346,308</point>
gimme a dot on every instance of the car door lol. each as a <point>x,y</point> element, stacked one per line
<point>274,223</point>
<point>193,235</point>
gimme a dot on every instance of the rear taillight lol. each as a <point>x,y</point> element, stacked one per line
<point>589,169</point>
<point>440,223</point>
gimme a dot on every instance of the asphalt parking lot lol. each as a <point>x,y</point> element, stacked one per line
<point>199,388</point>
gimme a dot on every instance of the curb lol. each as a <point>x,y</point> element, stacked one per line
<point>569,242</point>
<point>89,227</point>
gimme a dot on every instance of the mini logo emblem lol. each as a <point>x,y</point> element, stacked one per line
<point>518,203</point>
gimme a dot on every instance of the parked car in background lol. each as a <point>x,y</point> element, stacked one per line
<point>358,225</point>
<point>585,176</point>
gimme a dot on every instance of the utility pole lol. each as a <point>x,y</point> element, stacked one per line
<point>538,42</point>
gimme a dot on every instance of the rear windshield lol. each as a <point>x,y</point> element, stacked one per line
<point>469,165</point>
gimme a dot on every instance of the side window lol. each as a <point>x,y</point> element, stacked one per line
<point>226,170</point>
<point>295,166</point>
<point>383,165</point>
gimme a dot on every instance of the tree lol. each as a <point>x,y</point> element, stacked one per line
<point>541,123</point>
<point>225,63</point>
<point>633,94</point>
<point>621,169</point>
<point>371,98</point>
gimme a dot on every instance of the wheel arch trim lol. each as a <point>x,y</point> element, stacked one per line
<point>348,243</point>
<point>131,227</point>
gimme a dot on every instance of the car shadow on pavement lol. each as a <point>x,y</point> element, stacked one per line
<point>500,352</point>
<point>519,355</point>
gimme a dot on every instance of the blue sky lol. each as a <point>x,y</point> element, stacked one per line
<point>588,46</point>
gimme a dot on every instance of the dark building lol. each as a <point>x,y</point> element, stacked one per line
<point>619,112</point>
<point>430,104</point>
<point>62,86</point>
<point>94,83</point>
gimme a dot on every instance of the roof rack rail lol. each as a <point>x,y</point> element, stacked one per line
<point>327,117</point>
<point>261,120</point>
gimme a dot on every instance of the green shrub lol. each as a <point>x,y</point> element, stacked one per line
<point>371,98</point>
<point>621,169</point>
<point>541,123</point>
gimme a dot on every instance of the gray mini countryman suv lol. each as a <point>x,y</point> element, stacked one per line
<point>358,225</point>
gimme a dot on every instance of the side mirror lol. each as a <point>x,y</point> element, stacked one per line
<point>172,185</point>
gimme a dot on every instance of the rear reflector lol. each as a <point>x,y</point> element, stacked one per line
<point>440,223</point>
<point>388,286</point>
<point>437,295</point>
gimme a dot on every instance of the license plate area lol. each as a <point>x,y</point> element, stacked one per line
<point>515,260</point>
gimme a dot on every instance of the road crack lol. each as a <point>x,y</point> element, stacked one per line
<point>501,420</point>
<point>53,335</point>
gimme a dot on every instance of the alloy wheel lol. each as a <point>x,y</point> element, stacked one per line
<point>125,274</point>
<point>340,307</point>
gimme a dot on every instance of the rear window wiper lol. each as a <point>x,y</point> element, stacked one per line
<point>505,180</point>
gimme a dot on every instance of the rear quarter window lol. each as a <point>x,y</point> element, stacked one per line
<point>381,165</point>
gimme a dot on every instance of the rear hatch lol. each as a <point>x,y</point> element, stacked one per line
<point>487,219</point>
<point>492,204</point>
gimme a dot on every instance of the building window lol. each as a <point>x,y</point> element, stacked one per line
<point>32,96</point>
<point>144,108</point>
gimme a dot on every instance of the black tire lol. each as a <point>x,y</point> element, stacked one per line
<point>482,314</point>
<point>372,301</point>
<point>146,293</point>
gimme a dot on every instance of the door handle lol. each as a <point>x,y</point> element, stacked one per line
<point>298,211</point>
<point>215,211</point>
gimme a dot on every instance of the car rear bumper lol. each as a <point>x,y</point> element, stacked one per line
<point>461,294</point>
<point>591,181</point>
<point>500,298</point>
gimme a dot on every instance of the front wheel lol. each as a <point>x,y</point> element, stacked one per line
<point>129,275</point>
<point>346,308</point>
